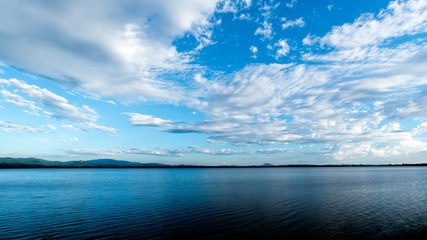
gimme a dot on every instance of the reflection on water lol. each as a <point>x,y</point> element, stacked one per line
<point>247,203</point>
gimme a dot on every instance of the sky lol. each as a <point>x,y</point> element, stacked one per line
<point>213,82</point>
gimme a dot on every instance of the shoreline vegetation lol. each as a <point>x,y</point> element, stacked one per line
<point>8,162</point>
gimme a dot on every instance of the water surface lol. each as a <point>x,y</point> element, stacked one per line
<point>244,203</point>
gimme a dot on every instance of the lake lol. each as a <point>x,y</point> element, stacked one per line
<point>233,203</point>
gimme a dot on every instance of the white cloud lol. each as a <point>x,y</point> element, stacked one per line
<point>265,31</point>
<point>317,104</point>
<point>70,127</point>
<point>15,127</point>
<point>310,40</point>
<point>51,126</point>
<point>104,129</point>
<point>233,6</point>
<point>59,105</point>
<point>165,152</point>
<point>199,78</point>
<point>283,48</point>
<point>329,101</point>
<point>74,139</point>
<point>291,3</point>
<point>400,18</point>
<point>222,151</point>
<point>107,45</point>
<point>244,16</point>
<point>137,119</point>
<point>254,49</point>
<point>19,101</point>
<point>292,23</point>
<point>92,152</point>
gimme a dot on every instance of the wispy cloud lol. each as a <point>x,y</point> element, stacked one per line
<point>165,152</point>
<point>291,3</point>
<point>59,105</point>
<point>20,102</point>
<point>70,127</point>
<point>137,119</point>
<point>293,23</point>
<point>400,18</point>
<point>15,127</point>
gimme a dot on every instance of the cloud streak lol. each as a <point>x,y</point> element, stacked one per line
<point>137,119</point>
<point>15,127</point>
<point>60,106</point>
<point>165,152</point>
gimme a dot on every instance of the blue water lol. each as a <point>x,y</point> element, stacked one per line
<point>247,203</point>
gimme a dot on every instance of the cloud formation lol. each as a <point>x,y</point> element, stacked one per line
<point>127,45</point>
<point>137,119</point>
<point>19,101</point>
<point>165,152</point>
<point>293,23</point>
<point>355,90</point>
<point>354,100</point>
<point>400,18</point>
<point>12,127</point>
<point>59,105</point>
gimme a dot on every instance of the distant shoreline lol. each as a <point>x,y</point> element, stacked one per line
<point>8,162</point>
<point>19,166</point>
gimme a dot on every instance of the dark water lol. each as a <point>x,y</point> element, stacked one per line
<point>263,203</point>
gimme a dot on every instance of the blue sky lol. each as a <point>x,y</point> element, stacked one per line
<point>214,82</point>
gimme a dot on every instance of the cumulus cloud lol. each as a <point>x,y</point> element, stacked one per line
<point>254,49</point>
<point>265,31</point>
<point>283,48</point>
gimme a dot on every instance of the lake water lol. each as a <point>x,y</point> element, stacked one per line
<point>244,203</point>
